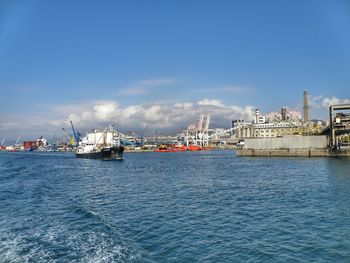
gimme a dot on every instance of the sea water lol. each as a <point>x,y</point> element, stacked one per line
<point>208,206</point>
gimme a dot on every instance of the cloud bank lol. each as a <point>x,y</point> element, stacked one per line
<point>319,102</point>
<point>168,118</point>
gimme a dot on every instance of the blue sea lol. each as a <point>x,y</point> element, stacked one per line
<point>173,207</point>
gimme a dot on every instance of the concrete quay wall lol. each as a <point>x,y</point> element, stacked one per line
<point>294,153</point>
<point>290,146</point>
<point>289,142</point>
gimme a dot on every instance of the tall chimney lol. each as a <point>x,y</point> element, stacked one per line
<point>257,113</point>
<point>284,113</point>
<point>306,106</point>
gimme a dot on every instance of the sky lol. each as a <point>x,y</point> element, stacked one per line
<point>147,65</point>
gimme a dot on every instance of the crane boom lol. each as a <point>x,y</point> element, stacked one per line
<point>17,140</point>
<point>75,133</point>
<point>3,141</point>
<point>225,131</point>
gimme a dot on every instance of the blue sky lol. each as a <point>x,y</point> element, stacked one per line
<point>59,59</point>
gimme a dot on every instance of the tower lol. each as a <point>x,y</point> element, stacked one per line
<point>284,113</point>
<point>257,114</point>
<point>306,106</point>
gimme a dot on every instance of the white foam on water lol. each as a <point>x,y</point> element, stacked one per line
<point>17,249</point>
<point>58,243</point>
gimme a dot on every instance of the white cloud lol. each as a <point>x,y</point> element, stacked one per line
<point>166,117</point>
<point>105,110</point>
<point>7,126</point>
<point>207,102</point>
<point>27,127</point>
<point>185,105</point>
<point>326,102</point>
<point>318,102</point>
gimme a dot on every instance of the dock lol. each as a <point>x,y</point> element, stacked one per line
<point>293,153</point>
<point>291,146</point>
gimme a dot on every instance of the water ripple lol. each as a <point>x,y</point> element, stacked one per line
<point>185,207</point>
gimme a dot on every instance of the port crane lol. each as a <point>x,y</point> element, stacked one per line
<point>221,133</point>
<point>76,134</point>
<point>17,140</point>
<point>3,141</point>
<point>197,133</point>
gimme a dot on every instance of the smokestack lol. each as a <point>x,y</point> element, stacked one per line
<point>257,113</point>
<point>284,113</point>
<point>306,106</point>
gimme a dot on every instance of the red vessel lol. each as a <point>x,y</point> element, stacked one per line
<point>171,148</point>
<point>180,148</point>
<point>194,148</point>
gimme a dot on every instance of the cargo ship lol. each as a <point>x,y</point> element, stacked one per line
<point>101,144</point>
<point>105,153</point>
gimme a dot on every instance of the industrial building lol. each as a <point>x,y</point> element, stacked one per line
<point>278,123</point>
<point>273,124</point>
<point>334,139</point>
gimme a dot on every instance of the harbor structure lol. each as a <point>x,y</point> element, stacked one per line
<point>291,146</point>
<point>197,133</point>
<point>332,141</point>
<point>339,125</point>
